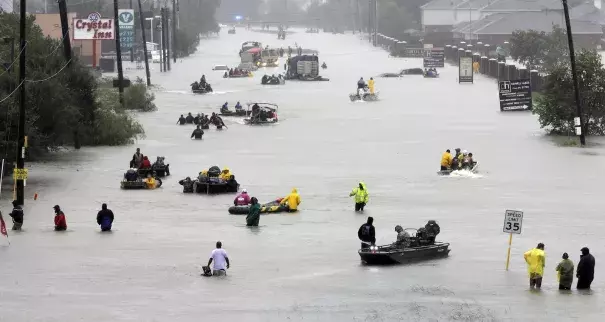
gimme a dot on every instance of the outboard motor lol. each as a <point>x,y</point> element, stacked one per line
<point>214,172</point>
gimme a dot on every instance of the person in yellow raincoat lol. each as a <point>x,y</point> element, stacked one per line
<point>225,174</point>
<point>446,160</point>
<point>536,260</point>
<point>150,182</point>
<point>371,85</point>
<point>361,196</point>
<point>292,200</point>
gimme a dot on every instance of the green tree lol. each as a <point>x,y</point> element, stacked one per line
<point>528,47</point>
<point>556,107</point>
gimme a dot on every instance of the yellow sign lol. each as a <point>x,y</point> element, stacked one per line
<point>20,174</point>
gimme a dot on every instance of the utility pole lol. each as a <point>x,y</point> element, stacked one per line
<point>168,36</point>
<point>370,20</point>
<point>375,23</point>
<point>574,75</point>
<point>65,31</point>
<point>164,36</point>
<point>145,42</point>
<point>118,52</point>
<point>21,135</point>
<point>174,28</point>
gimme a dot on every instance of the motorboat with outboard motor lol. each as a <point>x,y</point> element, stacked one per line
<point>211,183</point>
<point>132,180</point>
<point>158,169</point>
<point>234,113</point>
<point>420,245</point>
<point>196,88</point>
<point>270,207</point>
<point>366,97</point>
<point>389,254</point>
<point>262,113</point>
<point>473,169</point>
<point>242,74</point>
<point>273,80</point>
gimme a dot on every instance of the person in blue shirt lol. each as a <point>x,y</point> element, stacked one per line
<point>238,106</point>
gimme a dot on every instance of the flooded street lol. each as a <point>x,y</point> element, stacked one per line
<point>305,266</point>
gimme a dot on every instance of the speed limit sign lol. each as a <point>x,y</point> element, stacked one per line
<point>513,221</point>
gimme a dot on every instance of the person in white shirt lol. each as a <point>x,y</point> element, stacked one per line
<point>221,261</point>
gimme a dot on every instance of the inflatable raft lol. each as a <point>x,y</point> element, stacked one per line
<point>270,207</point>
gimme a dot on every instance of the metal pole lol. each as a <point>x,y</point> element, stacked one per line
<point>375,23</point>
<point>145,42</point>
<point>174,28</point>
<point>65,31</point>
<point>118,52</point>
<point>168,37</point>
<point>370,21</point>
<point>21,135</point>
<point>164,37</point>
<point>576,87</point>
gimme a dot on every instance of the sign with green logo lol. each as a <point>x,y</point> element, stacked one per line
<point>126,21</point>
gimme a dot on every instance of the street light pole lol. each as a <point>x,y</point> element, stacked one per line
<point>576,87</point>
<point>142,19</point>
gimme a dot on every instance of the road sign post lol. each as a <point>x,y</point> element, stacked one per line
<point>465,70</point>
<point>515,95</point>
<point>513,223</point>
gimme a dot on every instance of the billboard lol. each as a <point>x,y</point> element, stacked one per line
<point>465,70</point>
<point>93,27</point>
<point>434,57</point>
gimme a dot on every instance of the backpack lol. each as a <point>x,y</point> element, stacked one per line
<point>365,231</point>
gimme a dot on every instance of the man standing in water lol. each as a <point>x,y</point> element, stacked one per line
<point>221,260</point>
<point>565,273</point>
<point>17,215</point>
<point>367,234</point>
<point>137,158</point>
<point>536,260</point>
<point>105,218</point>
<point>585,272</point>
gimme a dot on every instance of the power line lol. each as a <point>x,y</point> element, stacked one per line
<point>49,77</point>
<point>14,61</point>
<point>58,45</point>
<point>13,92</point>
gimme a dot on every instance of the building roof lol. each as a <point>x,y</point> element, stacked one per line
<point>523,5</point>
<point>588,12</point>
<point>474,4</point>
<point>539,21</point>
<point>466,27</point>
<point>443,4</point>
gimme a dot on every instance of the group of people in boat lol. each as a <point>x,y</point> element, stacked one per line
<point>140,161</point>
<point>431,72</point>
<point>213,175</point>
<point>201,85</point>
<point>459,161</point>
<point>289,203</point>
<point>424,236</point>
<point>272,79</point>
<point>225,108</point>
<point>235,72</point>
<point>262,114</point>
<point>364,89</point>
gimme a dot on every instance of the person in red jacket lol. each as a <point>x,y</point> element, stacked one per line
<point>146,164</point>
<point>60,222</point>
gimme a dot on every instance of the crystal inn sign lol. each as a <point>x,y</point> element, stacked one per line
<point>93,27</point>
